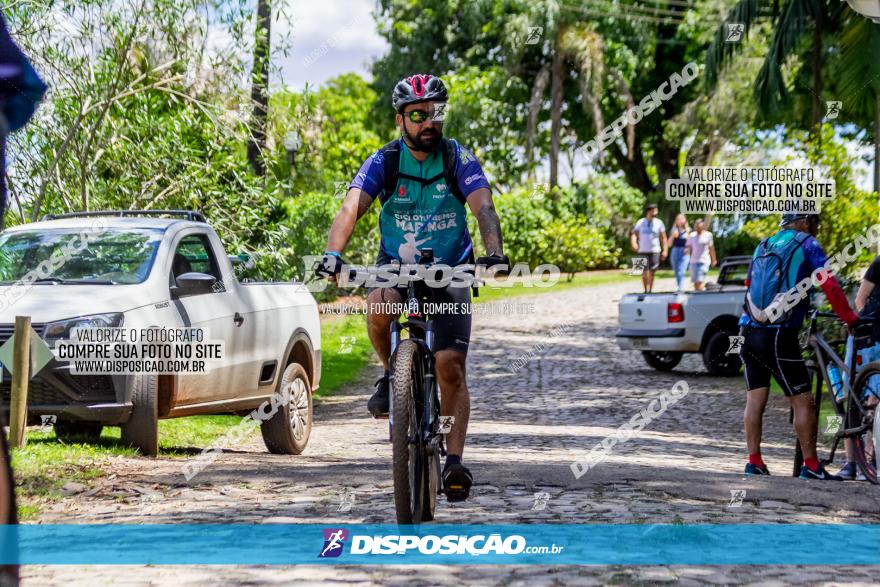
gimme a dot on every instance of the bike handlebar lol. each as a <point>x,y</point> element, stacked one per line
<point>414,271</point>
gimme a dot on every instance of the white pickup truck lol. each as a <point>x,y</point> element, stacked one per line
<point>664,326</point>
<point>138,270</point>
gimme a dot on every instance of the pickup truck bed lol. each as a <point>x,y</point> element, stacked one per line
<point>663,326</point>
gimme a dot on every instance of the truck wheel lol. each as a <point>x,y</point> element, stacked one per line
<point>715,356</point>
<point>662,361</point>
<point>142,429</point>
<point>73,430</point>
<point>287,431</point>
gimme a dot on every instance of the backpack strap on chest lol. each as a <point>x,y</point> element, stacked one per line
<point>391,168</point>
<point>451,151</point>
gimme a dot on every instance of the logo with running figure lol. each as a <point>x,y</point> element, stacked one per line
<point>334,540</point>
<point>736,498</point>
<point>833,424</point>
<point>735,32</point>
<point>639,265</point>
<point>736,343</point>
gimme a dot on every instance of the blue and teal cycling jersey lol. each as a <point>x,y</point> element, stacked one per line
<point>422,213</point>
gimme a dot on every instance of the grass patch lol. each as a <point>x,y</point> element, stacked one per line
<point>45,465</point>
<point>345,350</point>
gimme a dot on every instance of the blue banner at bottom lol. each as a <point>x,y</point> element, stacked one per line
<point>580,544</point>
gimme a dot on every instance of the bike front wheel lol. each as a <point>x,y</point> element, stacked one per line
<point>409,462</point>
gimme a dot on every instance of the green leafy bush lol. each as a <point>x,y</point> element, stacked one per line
<point>573,245</point>
<point>545,228</point>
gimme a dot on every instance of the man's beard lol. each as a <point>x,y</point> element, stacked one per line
<point>427,140</point>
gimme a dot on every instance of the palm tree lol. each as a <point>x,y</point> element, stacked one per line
<point>791,21</point>
<point>859,72</point>
<point>260,87</point>
<point>859,39</point>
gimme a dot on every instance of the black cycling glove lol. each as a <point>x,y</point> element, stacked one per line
<point>330,265</point>
<point>502,261</point>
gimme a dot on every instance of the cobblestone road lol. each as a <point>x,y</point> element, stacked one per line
<point>526,429</point>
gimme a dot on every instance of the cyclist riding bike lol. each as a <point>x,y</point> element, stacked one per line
<point>424,184</point>
<point>771,345</point>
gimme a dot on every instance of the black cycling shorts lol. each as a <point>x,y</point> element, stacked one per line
<point>452,326</point>
<point>774,351</point>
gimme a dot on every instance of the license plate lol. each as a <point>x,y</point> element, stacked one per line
<point>639,343</point>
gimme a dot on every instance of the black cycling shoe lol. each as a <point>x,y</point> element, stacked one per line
<point>380,402</point>
<point>457,481</point>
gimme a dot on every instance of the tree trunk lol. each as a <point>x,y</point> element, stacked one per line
<point>877,144</point>
<point>556,114</point>
<point>537,99</point>
<point>817,73</point>
<point>260,87</point>
<point>665,161</point>
<point>634,169</point>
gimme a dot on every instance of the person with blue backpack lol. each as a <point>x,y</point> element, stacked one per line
<point>770,330</point>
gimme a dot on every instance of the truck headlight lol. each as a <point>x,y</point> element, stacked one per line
<point>61,329</point>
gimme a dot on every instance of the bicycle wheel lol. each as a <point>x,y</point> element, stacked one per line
<point>409,455</point>
<point>432,483</point>
<point>864,459</point>
<point>876,434</point>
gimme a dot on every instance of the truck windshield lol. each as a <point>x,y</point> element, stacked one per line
<point>734,273</point>
<point>78,256</point>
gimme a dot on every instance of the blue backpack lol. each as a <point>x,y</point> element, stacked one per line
<point>769,280</point>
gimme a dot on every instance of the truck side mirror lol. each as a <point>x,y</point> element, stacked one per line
<point>193,283</point>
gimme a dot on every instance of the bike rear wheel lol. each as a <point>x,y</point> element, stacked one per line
<point>864,451</point>
<point>409,462</point>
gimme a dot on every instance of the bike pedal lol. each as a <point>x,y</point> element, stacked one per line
<point>382,417</point>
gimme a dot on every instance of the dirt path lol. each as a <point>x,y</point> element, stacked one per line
<point>526,429</point>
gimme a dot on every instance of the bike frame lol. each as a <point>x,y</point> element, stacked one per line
<point>421,330</point>
<point>824,352</point>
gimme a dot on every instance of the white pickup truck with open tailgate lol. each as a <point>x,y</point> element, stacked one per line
<point>664,326</point>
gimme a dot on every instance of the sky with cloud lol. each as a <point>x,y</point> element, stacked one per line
<point>328,37</point>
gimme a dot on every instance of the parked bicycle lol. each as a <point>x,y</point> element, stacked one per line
<point>847,385</point>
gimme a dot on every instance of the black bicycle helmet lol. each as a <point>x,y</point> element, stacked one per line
<point>418,88</point>
<point>793,217</point>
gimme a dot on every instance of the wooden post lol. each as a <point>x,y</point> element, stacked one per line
<point>21,366</point>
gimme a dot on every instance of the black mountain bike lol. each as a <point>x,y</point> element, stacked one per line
<point>414,416</point>
<point>417,438</point>
<point>854,418</point>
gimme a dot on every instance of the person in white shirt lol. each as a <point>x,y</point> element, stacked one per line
<point>701,248</point>
<point>648,241</point>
